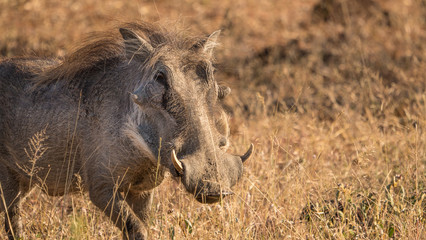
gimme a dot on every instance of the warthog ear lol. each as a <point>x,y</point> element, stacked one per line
<point>135,46</point>
<point>207,45</point>
<point>211,43</point>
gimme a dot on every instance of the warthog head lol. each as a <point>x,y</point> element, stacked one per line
<point>184,121</point>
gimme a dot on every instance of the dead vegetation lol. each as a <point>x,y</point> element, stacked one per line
<point>332,92</point>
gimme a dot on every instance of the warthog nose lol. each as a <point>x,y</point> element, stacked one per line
<point>212,197</point>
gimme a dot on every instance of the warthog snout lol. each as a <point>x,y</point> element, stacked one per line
<point>179,168</point>
<point>210,179</point>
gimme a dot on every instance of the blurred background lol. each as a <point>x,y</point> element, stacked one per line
<point>332,93</point>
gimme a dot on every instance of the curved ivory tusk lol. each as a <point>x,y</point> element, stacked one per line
<point>176,162</point>
<point>248,154</point>
<point>134,96</point>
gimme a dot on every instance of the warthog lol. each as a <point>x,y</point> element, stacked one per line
<point>120,112</point>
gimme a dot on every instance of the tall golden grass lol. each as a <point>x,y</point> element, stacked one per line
<point>332,93</point>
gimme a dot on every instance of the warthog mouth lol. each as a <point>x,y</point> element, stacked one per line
<point>212,197</point>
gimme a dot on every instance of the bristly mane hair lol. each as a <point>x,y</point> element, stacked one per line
<point>104,47</point>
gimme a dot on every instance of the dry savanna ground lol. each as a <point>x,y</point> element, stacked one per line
<point>331,92</point>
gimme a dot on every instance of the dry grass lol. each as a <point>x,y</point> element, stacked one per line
<point>331,93</point>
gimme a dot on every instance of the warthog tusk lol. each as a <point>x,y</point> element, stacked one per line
<point>176,162</point>
<point>248,154</point>
<point>135,98</point>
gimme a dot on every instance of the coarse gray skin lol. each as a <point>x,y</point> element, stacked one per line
<point>112,110</point>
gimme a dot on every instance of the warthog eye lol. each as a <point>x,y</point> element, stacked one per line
<point>201,72</point>
<point>161,78</point>
<point>223,143</point>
